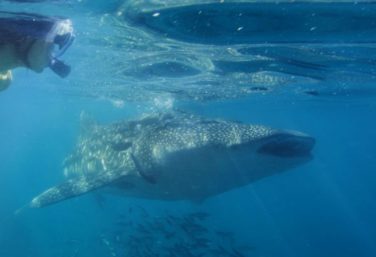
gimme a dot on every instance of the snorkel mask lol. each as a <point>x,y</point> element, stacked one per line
<point>23,30</point>
<point>62,37</point>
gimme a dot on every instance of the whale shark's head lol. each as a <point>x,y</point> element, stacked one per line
<point>178,157</point>
<point>287,144</point>
<point>193,158</point>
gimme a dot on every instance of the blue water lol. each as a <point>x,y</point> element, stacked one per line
<point>125,65</point>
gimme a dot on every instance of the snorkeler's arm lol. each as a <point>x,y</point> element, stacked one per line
<point>5,79</point>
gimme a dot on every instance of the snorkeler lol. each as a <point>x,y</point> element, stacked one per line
<point>33,41</point>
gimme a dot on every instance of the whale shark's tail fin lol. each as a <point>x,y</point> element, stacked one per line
<point>21,210</point>
<point>75,187</point>
<point>11,216</point>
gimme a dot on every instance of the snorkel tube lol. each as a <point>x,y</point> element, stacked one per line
<point>62,36</point>
<point>60,68</point>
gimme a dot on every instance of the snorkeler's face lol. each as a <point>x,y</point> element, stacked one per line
<point>39,55</point>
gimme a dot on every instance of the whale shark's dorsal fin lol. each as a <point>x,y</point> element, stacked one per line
<point>87,123</point>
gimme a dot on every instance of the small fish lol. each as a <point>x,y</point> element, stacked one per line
<point>236,253</point>
<point>199,215</point>
<point>225,236</point>
<point>201,242</point>
<point>142,229</point>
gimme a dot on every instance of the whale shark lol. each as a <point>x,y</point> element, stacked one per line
<point>175,156</point>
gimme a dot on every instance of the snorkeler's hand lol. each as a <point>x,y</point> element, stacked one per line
<point>5,79</point>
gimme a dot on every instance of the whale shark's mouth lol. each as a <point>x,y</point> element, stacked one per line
<point>288,144</point>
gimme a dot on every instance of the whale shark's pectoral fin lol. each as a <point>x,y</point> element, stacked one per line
<point>76,187</point>
<point>145,175</point>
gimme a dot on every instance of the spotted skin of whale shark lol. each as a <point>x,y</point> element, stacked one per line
<point>176,156</point>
